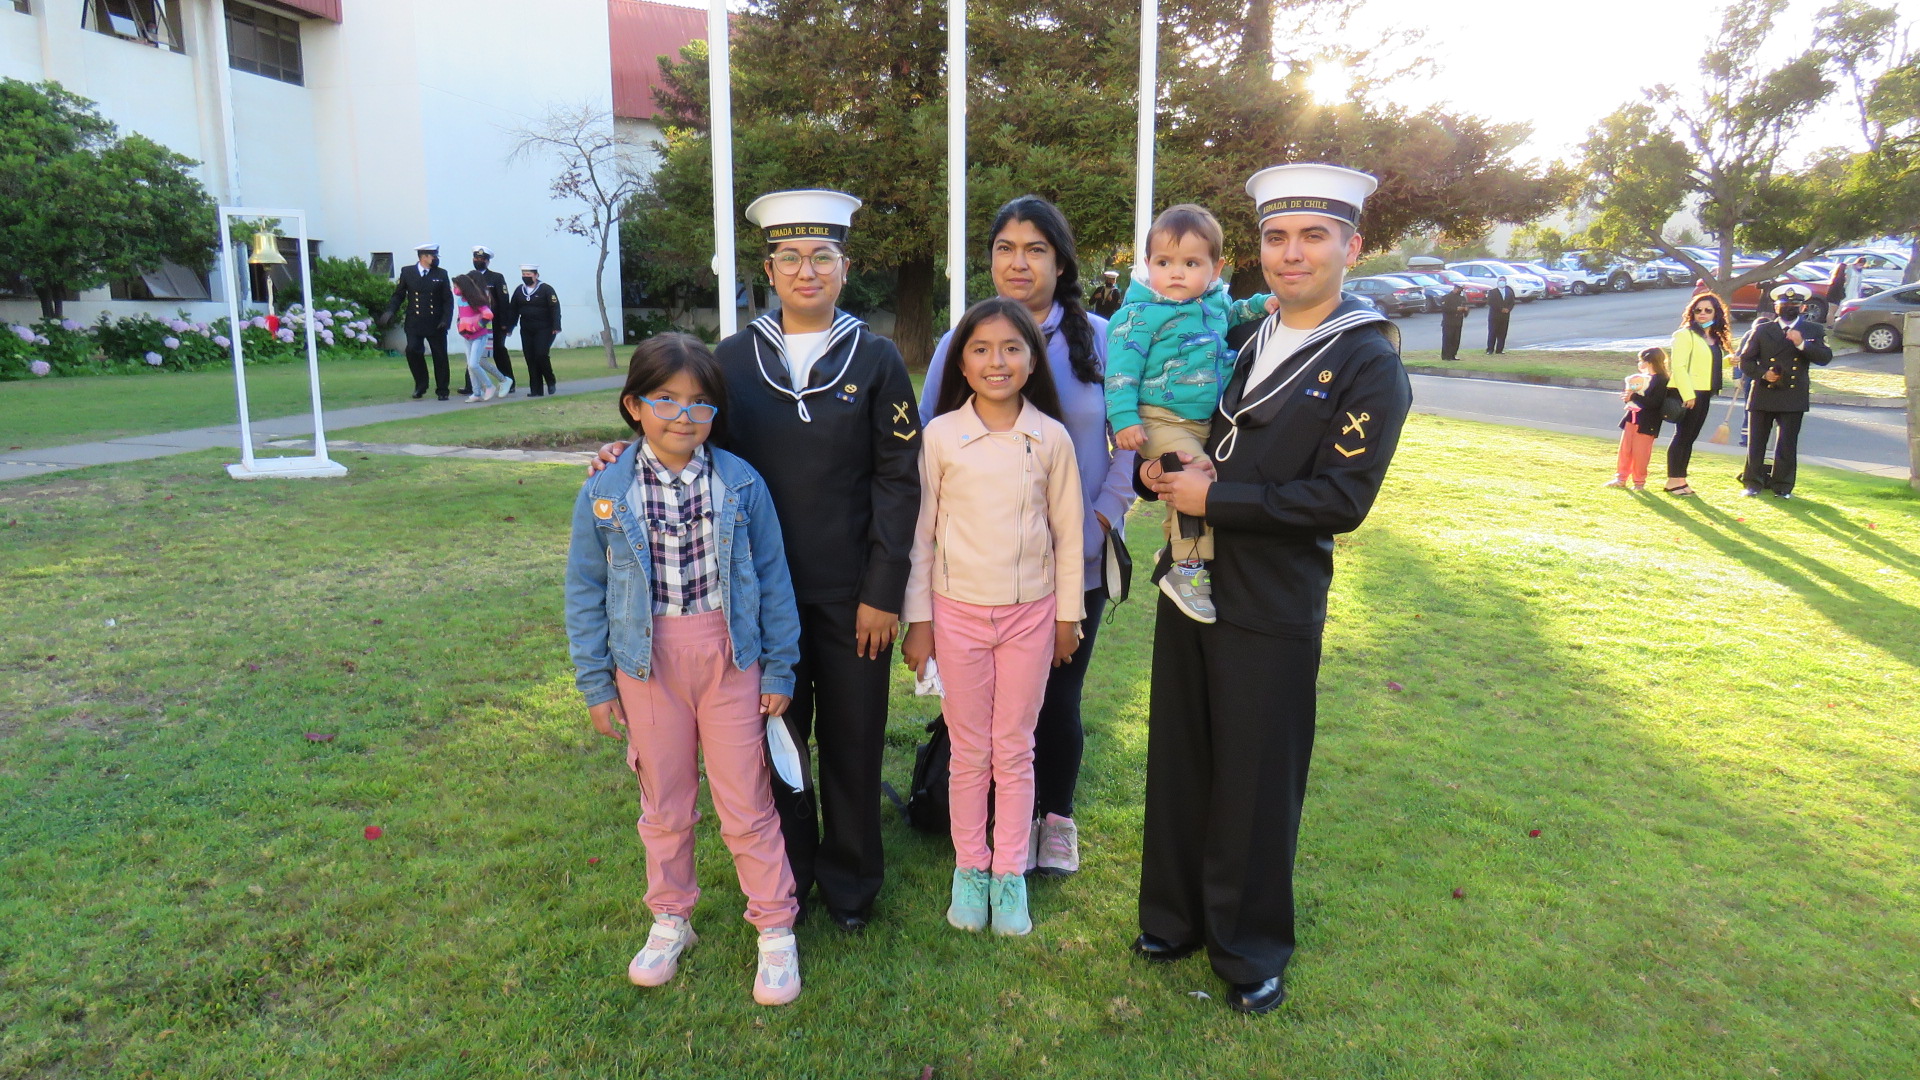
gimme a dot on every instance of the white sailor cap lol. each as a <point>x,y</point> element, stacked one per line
<point>1794,291</point>
<point>482,249</point>
<point>524,267</point>
<point>812,214</point>
<point>432,248</point>
<point>1110,273</point>
<point>1327,190</point>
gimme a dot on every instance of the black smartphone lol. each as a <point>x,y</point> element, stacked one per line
<point>1170,462</point>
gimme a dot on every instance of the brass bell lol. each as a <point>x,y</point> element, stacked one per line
<point>266,250</point>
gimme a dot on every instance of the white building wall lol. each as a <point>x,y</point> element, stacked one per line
<point>400,135</point>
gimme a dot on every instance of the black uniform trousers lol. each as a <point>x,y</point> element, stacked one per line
<point>1227,756</point>
<point>1786,455</point>
<point>1450,326</point>
<point>839,705</point>
<point>536,342</point>
<point>419,339</point>
<point>1680,450</point>
<point>1497,330</point>
<point>1059,738</point>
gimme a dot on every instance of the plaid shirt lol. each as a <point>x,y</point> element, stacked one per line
<point>679,518</point>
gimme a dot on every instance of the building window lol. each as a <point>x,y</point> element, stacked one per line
<point>168,281</point>
<point>24,7</point>
<point>149,22</point>
<point>381,263</point>
<point>264,43</point>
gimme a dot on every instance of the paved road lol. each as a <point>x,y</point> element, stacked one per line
<point>1611,322</point>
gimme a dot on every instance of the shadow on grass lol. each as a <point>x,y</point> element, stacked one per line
<point>1857,608</point>
<point>1854,534</point>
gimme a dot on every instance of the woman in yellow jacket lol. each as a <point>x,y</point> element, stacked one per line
<point>1697,360</point>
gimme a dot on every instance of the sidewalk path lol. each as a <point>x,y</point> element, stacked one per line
<point>50,459</point>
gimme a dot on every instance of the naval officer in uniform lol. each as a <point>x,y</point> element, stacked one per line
<point>1299,445</point>
<point>427,293</point>
<point>824,411</point>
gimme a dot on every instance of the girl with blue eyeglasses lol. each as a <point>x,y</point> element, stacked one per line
<point>684,634</point>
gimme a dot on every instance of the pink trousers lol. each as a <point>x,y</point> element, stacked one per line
<point>698,702</point>
<point>994,663</point>
<point>1636,450</point>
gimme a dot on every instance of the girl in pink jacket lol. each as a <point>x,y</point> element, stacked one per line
<point>476,328</point>
<point>995,592</point>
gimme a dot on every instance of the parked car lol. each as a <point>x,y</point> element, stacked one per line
<point>1490,271</point>
<point>1745,301</point>
<point>1877,322</point>
<point>1435,289</point>
<point>1393,296</point>
<point>1476,292</point>
<point>1878,259</point>
<point>1558,284</point>
<point>1590,272</point>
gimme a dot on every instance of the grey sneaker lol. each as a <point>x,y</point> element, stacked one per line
<point>1010,916</point>
<point>1035,834</point>
<point>655,964</point>
<point>1059,847</point>
<point>1191,590</point>
<point>969,908</point>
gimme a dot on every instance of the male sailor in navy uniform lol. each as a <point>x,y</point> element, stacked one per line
<point>427,293</point>
<point>824,410</point>
<point>1774,358</point>
<point>1299,446</point>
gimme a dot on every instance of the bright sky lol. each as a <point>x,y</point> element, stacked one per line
<point>1561,66</point>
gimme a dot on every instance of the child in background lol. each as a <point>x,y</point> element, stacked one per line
<point>995,591</point>
<point>1167,361</point>
<point>1640,425</point>
<point>476,327</point>
<point>684,633</point>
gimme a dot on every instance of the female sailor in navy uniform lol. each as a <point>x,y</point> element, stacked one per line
<point>1299,446</point>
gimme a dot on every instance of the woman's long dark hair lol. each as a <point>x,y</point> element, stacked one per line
<point>1040,390</point>
<point>1052,224</point>
<point>663,356</point>
<point>1719,331</point>
<point>472,291</point>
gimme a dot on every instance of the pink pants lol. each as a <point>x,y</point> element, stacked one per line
<point>994,663</point>
<point>1635,451</point>
<point>697,700</point>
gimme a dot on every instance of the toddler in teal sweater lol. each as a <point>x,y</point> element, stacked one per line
<point>1167,360</point>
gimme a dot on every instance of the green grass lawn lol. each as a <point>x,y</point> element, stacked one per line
<point>1709,708</point>
<point>51,412</point>
<point>1615,366</point>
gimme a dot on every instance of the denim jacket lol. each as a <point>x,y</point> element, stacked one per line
<point>610,597</point>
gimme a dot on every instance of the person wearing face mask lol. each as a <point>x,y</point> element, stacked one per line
<point>1775,359</point>
<point>427,293</point>
<point>1696,362</point>
<point>495,284</point>
<point>535,310</point>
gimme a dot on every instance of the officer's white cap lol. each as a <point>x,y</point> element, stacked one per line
<point>482,249</point>
<point>811,214</point>
<point>431,248</point>
<point>1326,190</point>
<point>524,267</point>
<point>1793,292</point>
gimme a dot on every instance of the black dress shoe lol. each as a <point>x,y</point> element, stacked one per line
<point>852,922</point>
<point>1256,997</point>
<point>466,391</point>
<point>418,394</point>
<point>1161,951</point>
<point>442,397</point>
<point>534,393</point>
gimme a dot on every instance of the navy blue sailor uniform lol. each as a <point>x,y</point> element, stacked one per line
<point>1783,403</point>
<point>841,458</point>
<point>428,299</point>
<point>1299,458</point>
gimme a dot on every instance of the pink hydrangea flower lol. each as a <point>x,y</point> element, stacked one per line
<point>258,322</point>
<point>284,334</point>
<point>170,342</point>
<point>153,358</point>
<point>41,339</point>
<point>24,333</point>
<point>69,326</point>
<point>40,368</point>
<point>222,340</point>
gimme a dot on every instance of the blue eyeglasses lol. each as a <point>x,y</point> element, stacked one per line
<point>670,410</point>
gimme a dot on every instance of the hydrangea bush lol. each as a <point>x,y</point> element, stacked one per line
<point>143,342</point>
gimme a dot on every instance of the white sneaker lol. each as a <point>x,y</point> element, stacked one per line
<point>474,398</point>
<point>1191,590</point>
<point>656,964</point>
<point>1059,846</point>
<point>508,389</point>
<point>777,979</point>
<point>487,394</point>
<point>1033,845</point>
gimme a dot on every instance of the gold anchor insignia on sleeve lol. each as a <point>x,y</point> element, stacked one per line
<point>900,415</point>
<point>1353,424</point>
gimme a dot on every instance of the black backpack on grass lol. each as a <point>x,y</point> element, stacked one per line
<point>926,807</point>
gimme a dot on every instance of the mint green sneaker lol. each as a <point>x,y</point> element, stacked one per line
<point>1010,905</point>
<point>969,908</point>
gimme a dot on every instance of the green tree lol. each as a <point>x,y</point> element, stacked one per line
<point>853,97</point>
<point>1879,72</point>
<point>81,206</point>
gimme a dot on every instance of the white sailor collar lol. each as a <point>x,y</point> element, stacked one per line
<point>767,329</point>
<point>972,430</point>
<point>1351,314</point>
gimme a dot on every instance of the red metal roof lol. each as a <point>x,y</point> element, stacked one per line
<point>319,9</point>
<point>640,33</point>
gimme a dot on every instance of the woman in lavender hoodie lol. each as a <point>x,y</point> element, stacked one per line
<point>1034,262</point>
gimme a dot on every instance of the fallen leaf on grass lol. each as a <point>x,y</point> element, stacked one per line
<point>1533,832</point>
<point>1459,894</point>
<point>1201,994</point>
<point>253,667</point>
<point>350,666</point>
<point>379,622</point>
<point>593,860</point>
<point>519,481</point>
<point>375,832</point>
<point>52,657</point>
<point>509,517</point>
<point>316,736</point>
<point>926,1073</point>
<point>1394,686</point>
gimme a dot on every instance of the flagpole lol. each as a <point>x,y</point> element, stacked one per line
<point>1143,152</point>
<point>956,161</point>
<point>720,90</point>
